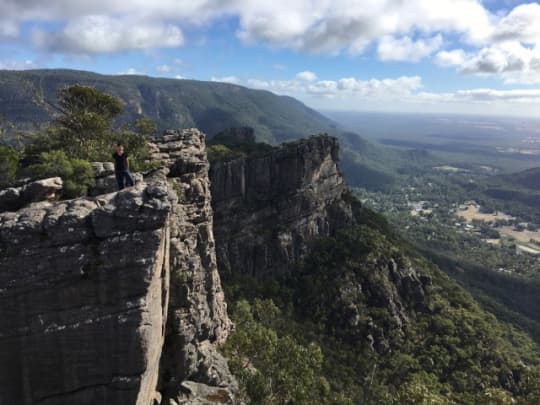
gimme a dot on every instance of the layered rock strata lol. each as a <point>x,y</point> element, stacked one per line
<point>270,209</point>
<point>116,299</point>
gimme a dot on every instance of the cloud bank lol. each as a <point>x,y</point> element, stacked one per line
<point>398,94</point>
<point>505,43</point>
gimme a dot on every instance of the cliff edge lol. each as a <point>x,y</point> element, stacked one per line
<point>269,210</point>
<point>116,298</point>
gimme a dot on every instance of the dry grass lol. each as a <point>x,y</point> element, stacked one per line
<point>524,236</point>
<point>473,212</point>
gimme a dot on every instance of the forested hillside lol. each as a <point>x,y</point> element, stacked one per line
<point>29,99</point>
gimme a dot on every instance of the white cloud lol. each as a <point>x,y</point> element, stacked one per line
<point>307,76</point>
<point>164,68</point>
<point>131,71</point>
<point>521,24</point>
<point>226,79</point>
<point>399,86</point>
<point>174,66</point>
<point>512,52</point>
<point>332,26</point>
<point>399,30</point>
<point>508,57</point>
<point>8,29</point>
<point>455,57</point>
<point>315,25</point>
<point>406,49</point>
<point>258,84</point>
<point>104,34</point>
<point>509,60</point>
<point>344,87</point>
<point>480,97</point>
<point>489,95</point>
<point>403,93</point>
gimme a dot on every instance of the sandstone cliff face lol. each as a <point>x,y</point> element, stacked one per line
<point>269,213</point>
<point>197,310</point>
<point>116,299</point>
<point>269,210</point>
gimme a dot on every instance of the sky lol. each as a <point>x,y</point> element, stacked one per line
<point>441,56</point>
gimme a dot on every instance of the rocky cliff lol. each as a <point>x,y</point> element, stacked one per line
<point>382,315</point>
<point>116,299</point>
<point>269,209</point>
<point>272,211</point>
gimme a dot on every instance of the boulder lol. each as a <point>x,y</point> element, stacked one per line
<point>105,180</point>
<point>12,199</point>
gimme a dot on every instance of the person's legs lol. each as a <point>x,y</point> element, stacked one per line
<point>120,180</point>
<point>129,180</point>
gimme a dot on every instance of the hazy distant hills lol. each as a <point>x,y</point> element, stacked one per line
<point>520,187</point>
<point>529,179</point>
<point>28,97</point>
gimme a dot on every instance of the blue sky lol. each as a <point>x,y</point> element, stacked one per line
<point>464,56</point>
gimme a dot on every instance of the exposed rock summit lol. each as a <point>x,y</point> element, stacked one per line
<point>269,210</point>
<point>116,299</point>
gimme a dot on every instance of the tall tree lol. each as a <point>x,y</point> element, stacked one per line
<point>84,128</point>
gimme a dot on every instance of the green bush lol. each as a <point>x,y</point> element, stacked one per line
<point>221,152</point>
<point>9,160</point>
<point>145,126</point>
<point>136,147</point>
<point>84,130</point>
<point>448,351</point>
<point>530,388</point>
<point>273,369</point>
<point>234,143</point>
<point>76,174</point>
<point>84,127</point>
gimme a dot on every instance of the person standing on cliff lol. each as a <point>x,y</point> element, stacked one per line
<point>121,168</point>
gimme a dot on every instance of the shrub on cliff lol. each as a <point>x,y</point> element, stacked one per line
<point>273,369</point>
<point>9,160</point>
<point>76,174</point>
<point>234,143</point>
<point>85,121</point>
<point>221,152</point>
<point>84,129</point>
<point>145,126</point>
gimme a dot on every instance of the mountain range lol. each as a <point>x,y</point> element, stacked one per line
<point>29,97</point>
<point>28,100</point>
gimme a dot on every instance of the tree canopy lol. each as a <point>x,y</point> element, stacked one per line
<point>84,130</point>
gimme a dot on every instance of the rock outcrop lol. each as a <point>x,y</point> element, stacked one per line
<point>375,305</point>
<point>116,299</point>
<point>197,310</point>
<point>14,198</point>
<point>269,210</point>
<point>105,180</point>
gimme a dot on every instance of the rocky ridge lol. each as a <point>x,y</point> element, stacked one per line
<point>270,209</point>
<point>271,212</point>
<point>119,293</point>
<point>116,298</point>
